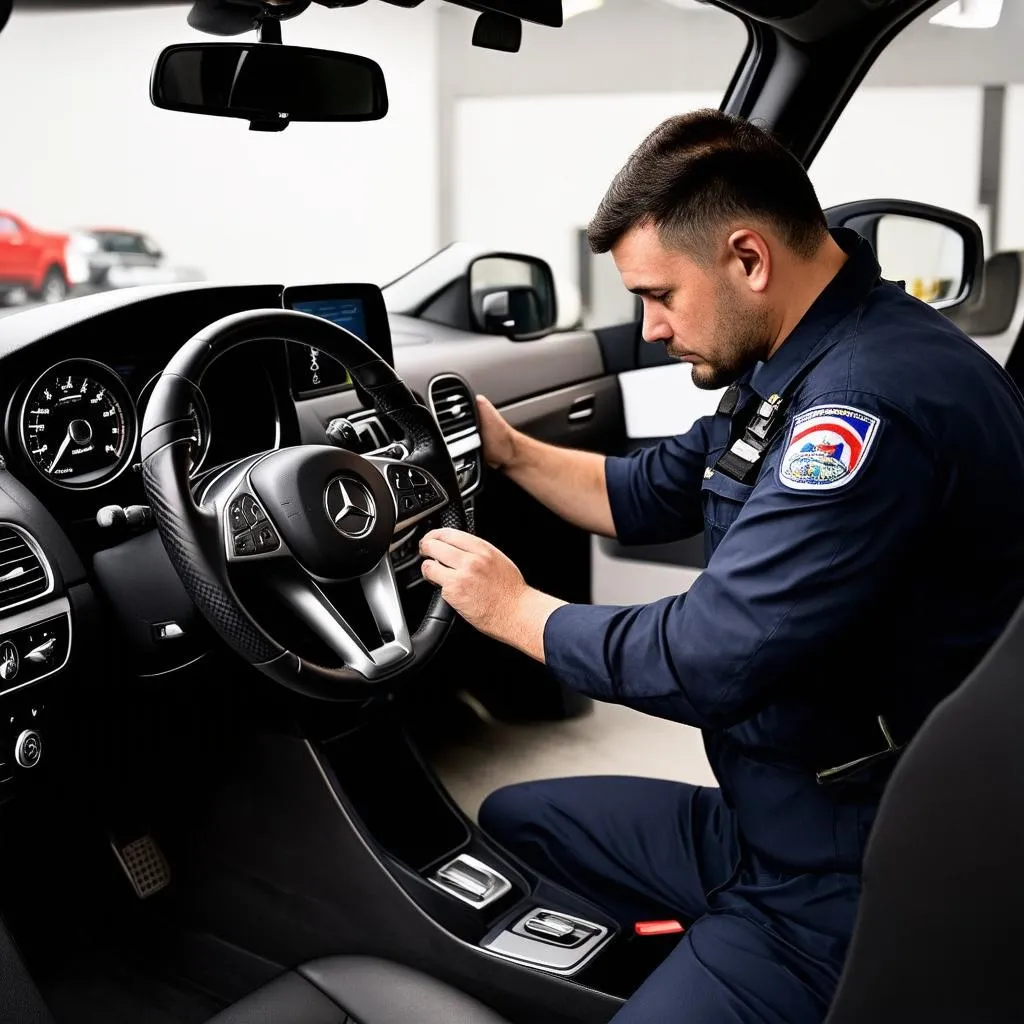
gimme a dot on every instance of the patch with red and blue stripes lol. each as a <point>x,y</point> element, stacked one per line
<point>827,446</point>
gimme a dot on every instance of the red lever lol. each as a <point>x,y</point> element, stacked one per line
<point>658,928</point>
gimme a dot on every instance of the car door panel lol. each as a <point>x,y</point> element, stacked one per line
<point>659,399</point>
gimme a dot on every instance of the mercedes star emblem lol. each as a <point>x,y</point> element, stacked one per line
<point>350,506</point>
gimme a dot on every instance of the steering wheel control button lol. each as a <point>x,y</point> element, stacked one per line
<point>236,516</point>
<point>28,749</point>
<point>401,478</point>
<point>266,539</point>
<point>254,515</point>
<point>245,543</point>
<point>8,661</point>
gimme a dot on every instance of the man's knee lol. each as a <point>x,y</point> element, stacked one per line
<point>507,812</point>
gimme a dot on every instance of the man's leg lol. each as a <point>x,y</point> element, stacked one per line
<point>638,848</point>
<point>730,969</point>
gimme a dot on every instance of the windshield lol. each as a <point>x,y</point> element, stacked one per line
<point>500,151</point>
<point>319,202</point>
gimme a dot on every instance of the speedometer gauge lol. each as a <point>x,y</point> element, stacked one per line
<point>78,425</point>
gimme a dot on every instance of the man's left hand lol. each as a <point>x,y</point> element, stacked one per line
<point>487,589</point>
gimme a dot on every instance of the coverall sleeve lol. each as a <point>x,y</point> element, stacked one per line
<point>654,493</point>
<point>789,577</point>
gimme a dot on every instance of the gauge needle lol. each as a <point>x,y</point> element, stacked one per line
<point>61,450</point>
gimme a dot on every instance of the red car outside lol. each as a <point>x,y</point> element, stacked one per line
<point>44,264</point>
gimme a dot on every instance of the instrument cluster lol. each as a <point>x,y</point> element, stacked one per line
<point>78,424</point>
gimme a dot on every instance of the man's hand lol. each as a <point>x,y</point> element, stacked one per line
<point>487,589</point>
<point>498,435</point>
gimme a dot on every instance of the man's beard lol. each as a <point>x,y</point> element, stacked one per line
<point>740,336</point>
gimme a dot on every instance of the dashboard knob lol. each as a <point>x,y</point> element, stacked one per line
<point>8,661</point>
<point>28,749</point>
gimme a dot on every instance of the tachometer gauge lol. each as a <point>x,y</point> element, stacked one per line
<point>78,424</point>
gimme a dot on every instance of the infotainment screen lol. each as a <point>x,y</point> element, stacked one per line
<point>358,308</point>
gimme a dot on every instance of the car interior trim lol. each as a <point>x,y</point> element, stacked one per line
<point>51,581</point>
<point>33,617</point>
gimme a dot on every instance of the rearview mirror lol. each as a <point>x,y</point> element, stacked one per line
<point>512,295</point>
<point>936,253</point>
<point>268,84</point>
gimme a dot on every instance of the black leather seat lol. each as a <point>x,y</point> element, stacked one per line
<point>940,931</point>
<point>357,990</point>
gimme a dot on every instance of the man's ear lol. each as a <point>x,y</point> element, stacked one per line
<point>751,258</point>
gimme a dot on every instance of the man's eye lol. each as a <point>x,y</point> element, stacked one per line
<point>662,297</point>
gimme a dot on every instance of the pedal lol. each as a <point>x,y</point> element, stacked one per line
<point>144,864</point>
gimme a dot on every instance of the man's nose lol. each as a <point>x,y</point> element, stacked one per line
<point>656,329</point>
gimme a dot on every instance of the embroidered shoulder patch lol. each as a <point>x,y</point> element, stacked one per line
<point>826,447</point>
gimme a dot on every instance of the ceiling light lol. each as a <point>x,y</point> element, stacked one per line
<point>969,14</point>
<point>570,8</point>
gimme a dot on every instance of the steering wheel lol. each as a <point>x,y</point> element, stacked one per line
<point>298,520</point>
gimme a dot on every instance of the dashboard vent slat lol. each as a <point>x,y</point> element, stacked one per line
<point>453,405</point>
<point>23,575</point>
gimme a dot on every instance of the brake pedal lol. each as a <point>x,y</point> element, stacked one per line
<point>144,864</point>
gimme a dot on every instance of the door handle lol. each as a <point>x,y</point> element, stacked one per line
<point>582,408</point>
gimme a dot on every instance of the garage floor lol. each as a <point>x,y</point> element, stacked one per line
<point>610,740</point>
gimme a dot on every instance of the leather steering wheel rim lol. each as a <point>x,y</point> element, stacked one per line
<point>191,532</point>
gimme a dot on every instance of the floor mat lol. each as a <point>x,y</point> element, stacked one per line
<point>106,994</point>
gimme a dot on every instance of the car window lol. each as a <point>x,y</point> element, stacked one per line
<point>114,241</point>
<point>931,122</point>
<point>7,226</point>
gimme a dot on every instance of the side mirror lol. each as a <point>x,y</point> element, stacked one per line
<point>512,295</point>
<point>938,254</point>
<point>268,84</point>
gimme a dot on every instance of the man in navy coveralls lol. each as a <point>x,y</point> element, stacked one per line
<point>860,490</point>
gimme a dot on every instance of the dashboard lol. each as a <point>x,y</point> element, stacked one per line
<point>80,561</point>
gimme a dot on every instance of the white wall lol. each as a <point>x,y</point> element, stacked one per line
<point>530,170</point>
<point>908,143</point>
<point>1011,226</point>
<point>920,143</point>
<point>322,202</point>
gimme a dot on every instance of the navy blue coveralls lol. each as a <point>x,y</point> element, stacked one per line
<point>862,571</point>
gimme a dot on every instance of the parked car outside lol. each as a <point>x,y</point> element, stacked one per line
<point>124,257</point>
<point>42,265</point>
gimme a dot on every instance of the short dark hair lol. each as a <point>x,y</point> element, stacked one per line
<point>698,171</point>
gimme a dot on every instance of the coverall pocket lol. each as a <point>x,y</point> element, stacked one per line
<point>723,499</point>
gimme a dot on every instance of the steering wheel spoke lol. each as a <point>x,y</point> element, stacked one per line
<point>380,589</point>
<point>416,491</point>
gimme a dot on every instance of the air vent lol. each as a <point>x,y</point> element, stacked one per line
<point>372,434</point>
<point>23,573</point>
<point>452,404</point>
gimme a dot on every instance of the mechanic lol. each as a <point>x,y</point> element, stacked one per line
<point>859,490</point>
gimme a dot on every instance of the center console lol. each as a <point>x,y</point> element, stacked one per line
<point>465,883</point>
<point>35,645</point>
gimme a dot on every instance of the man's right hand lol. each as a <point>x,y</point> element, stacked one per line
<point>499,437</point>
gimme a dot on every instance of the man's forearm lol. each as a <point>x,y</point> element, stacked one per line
<point>571,483</point>
<point>524,628</point>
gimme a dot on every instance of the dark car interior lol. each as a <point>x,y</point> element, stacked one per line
<point>214,798</point>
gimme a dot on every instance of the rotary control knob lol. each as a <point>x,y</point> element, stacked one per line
<point>8,661</point>
<point>28,749</point>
